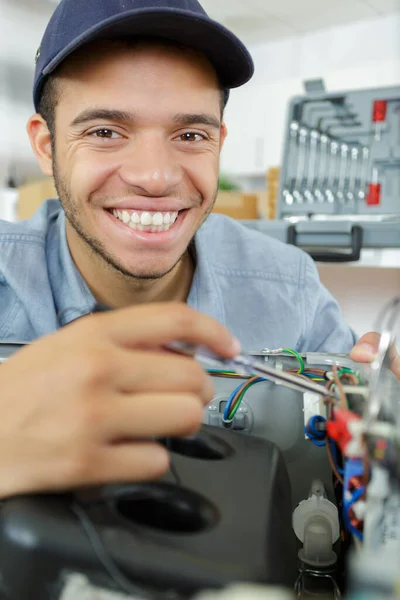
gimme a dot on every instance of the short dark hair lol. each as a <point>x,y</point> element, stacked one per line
<point>51,91</point>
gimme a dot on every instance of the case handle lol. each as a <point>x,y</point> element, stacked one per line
<point>326,256</point>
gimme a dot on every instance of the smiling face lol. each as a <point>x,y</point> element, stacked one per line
<point>136,155</point>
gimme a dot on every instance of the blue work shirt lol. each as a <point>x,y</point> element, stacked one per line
<point>266,292</point>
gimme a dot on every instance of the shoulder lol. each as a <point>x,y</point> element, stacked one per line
<point>235,249</point>
<point>33,230</point>
<point>24,281</point>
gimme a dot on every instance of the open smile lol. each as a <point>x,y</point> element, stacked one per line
<point>146,221</point>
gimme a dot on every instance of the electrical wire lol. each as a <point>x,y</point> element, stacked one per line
<point>334,451</point>
<point>238,393</point>
<point>333,465</point>
<point>236,397</point>
<point>296,355</point>
<point>339,386</point>
<point>317,436</point>
<point>331,459</point>
<point>352,523</point>
<point>230,400</point>
<point>350,375</point>
<point>226,374</point>
<point>237,400</point>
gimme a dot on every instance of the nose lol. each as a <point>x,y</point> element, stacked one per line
<point>151,167</point>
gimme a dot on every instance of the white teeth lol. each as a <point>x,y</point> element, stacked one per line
<point>146,221</point>
<point>135,218</point>
<point>157,219</point>
<point>146,218</point>
<point>125,217</point>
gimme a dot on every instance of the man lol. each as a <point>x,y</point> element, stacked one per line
<point>131,127</point>
<point>129,99</point>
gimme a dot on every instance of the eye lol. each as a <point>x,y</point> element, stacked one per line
<point>191,136</point>
<point>105,133</point>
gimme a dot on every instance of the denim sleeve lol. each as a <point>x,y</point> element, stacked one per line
<point>326,330</point>
<point>9,308</point>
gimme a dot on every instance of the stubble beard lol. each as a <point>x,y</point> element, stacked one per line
<point>95,246</point>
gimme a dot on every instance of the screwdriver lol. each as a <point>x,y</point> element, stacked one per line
<point>245,365</point>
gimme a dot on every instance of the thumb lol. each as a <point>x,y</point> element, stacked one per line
<point>366,348</point>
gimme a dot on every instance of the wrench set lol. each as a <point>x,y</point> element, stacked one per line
<point>342,155</point>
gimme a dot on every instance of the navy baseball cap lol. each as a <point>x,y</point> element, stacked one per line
<point>77,22</point>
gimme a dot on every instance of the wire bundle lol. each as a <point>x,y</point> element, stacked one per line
<point>236,397</point>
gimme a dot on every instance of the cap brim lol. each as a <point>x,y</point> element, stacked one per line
<point>230,58</point>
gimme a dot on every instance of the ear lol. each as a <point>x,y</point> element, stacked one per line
<point>224,133</point>
<point>40,139</point>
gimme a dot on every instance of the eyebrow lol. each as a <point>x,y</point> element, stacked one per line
<point>183,119</point>
<point>196,119</point>
<point>95,114</point>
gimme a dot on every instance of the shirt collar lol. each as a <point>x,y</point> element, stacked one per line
<point>72,297</point>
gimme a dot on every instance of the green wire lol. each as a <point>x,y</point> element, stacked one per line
<point>218,372</point>
<point>299,359</point>
<point>246,387</point>
<point>349,371</point>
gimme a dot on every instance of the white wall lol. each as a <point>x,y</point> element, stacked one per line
<point>21,29</point>
<point>365,54</point>
<point>360,55</point>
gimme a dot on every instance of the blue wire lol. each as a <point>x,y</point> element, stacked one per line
<point>317,437</point>
<point>356,496</point>
<point>230,400</point>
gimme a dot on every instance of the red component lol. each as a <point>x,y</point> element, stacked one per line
<point>379,111</point>
<point>374,194</point>
<point>337,429</point>
<point>355,483</point>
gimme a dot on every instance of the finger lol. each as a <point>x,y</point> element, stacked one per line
<point>152,415</point>
<point>158,324</point>
<point>366,348</point>
<point>133,461</point>
<point>130,462</point>
<point>145,371</point>
<point>396,365</point>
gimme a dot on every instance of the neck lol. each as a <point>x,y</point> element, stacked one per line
<point>113,289</point>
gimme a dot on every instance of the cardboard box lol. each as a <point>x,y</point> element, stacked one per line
<point>32,195</point>
<point>237,205</point>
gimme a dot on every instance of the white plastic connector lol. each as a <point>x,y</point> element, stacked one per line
<point>316,524</point>
<point>313,405</point>
<point>359,509</point>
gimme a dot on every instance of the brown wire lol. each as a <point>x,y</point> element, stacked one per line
<point>239,392</point>
<point>229,376</point>
<point>339,385</point>
<point>330,403</point>
<point>332,464</point>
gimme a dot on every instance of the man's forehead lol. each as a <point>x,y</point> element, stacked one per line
<point>154,50</point>
<point>101,76</point>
